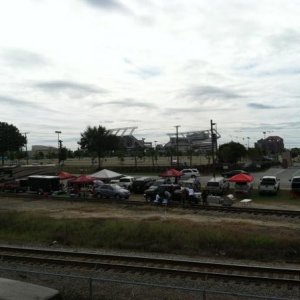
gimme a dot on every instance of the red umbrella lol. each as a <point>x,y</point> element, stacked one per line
<point>171,173</point>
<point>241,178</point>
<point>83,179</point>
<point>65,175</point>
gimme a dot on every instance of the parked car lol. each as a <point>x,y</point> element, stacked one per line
<point>126,182</point>
<point>149,194</point>
<point>111,191</point>
<point>141,184</point>
<point>295,184</point>
<point>183,194</point>
<point>217,186</point>
<point>189,173</point>
<point>233,172</point>
<point>170,187</point>
<point>269,185</point>
<point>243,187</point>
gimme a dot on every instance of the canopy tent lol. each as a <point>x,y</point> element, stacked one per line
<point>65,175</point>
<point>171,173</point>
<point>241,178</point>
<point>107,174</point>
<point>82,179</point>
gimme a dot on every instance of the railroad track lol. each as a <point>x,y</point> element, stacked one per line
<point>233,209</point>
<point>149,265</point>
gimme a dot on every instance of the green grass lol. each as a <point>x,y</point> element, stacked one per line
<point>239,240</point>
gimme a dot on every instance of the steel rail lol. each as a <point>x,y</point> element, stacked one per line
<point>143,264</point>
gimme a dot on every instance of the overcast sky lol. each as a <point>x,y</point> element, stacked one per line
<point>66,65</point>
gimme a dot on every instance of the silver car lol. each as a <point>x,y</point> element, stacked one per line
<point>111,191</point>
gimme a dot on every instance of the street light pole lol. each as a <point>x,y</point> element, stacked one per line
<point>58,145</point>
<point>177,160</point>
<point>212,146</point>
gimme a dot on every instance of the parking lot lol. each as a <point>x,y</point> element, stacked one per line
<point>283,174</point>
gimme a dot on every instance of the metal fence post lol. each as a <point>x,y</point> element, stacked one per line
<point>204,295</point>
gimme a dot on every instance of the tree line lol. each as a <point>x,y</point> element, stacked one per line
<point>98,142</point>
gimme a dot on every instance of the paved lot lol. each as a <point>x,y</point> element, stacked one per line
<point>283,174</point>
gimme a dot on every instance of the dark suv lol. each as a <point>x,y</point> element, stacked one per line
<point>141,184</point>
<point>151,193</point>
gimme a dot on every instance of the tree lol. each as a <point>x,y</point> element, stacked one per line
<point>98,140</point>
<point>10,139</point>
<point>231,152</point>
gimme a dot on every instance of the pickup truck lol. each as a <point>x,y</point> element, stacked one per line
<point>269,185</point>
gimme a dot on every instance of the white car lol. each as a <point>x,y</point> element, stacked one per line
<point>269,185</point>
<point>126,182</point>
<point>190,173</point>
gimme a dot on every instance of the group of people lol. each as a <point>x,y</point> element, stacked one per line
<point>188,194</point>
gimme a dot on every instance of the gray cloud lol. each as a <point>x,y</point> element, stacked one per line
<point>191,110</point>
<point>108,5</point>
<point>21,104</point>
<point>128,103</point>
<point>263,106</point>
<point>68,87</point>
<point>210,93</point>
<point>23,58</point>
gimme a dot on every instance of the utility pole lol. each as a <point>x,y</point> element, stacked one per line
<point>177,126</point>
<point>58,145</point>
<point>213,138</point>
<point>25,134</point>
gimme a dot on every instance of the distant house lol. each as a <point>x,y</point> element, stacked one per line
<point>270,145</point>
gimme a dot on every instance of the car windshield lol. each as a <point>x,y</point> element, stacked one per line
<point>296,180</point>
<point>124,180</point>
<point>268,181</point>
<point>241,183</point>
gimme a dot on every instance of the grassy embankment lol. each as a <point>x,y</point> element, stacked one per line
<point>233,239</point>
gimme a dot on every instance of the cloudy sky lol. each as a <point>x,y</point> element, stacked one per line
<point>65,65</point>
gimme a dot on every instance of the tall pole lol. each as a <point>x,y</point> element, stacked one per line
<point>25,134</point>
<point>58,145</point>
<point>177,154</point>
<point>212,146</point>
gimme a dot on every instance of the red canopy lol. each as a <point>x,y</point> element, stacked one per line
<point>65,175</point>
<point>83,179</point>
<point>241,178</point>
<point>171,173</point>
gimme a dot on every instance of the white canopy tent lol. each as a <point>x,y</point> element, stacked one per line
<point>107,175</point>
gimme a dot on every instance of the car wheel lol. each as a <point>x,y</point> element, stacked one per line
<point>117,196</point>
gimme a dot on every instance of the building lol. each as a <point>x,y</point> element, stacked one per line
<point>40,150</point>
<point>270,145</point>
<point>198,141</point>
